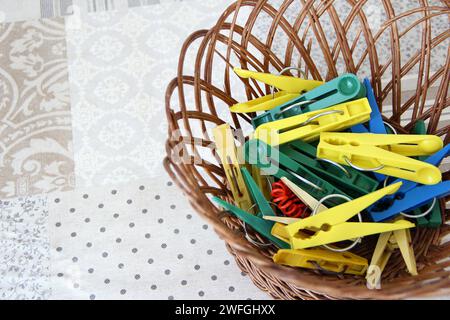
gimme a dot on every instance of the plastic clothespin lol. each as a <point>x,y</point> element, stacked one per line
<point>376,124</point>
<point>304,196</point>
<point>262,181</point>
<point>419,127</point>
<point>259,224</point>
<point>290,87</point>
<point>383,153</point>
<point>256,173</point>
<point>228,154</point>
<point>434,218</point>
<point>331,226</point>
<point>317,258</point>
<point>387,243</point>
<point>282,220</point>
<point>279,231</point>
<point>412,195</point>
<point>308,126</point>
<point>351,180</point>
<point>341,89</point>
<point>271,161</point>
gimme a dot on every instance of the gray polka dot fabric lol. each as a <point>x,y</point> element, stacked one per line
<point>138,241</point>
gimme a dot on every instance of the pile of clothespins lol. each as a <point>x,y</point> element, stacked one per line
<point>322,170</point>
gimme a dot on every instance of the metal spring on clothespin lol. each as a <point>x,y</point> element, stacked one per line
<point>288,203</point>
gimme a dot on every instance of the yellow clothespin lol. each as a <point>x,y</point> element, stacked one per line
<point>282,220</point>
<point>387,243</point>
<point>228,154</point>
<point>260,180</point>
<point>278,229</point>
<point>290,87</point>
<point>339,262</point>
<point>383,153</point>
<point>308,126</point>
<point>331,226</point>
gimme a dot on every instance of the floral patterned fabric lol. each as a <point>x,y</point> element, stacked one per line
<point>35,123</point>
<point>25,249</point>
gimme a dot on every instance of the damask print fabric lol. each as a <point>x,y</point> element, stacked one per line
<point>36,153</point>
<point>120,64</point>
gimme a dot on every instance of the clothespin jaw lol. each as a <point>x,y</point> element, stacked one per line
<point>281,220</point>
<point>308,126</point>
<point>279,231</point>
<point>341,89</point>
<point>387,243</point>
<point>380,257</point>
<point>330,226</point>
<point>353,181</point>
<point>271,161</point>
<point>290,87</point>
<point>338,262</point>
<point>411,195</point>
<point>404,243</point>
<point>304,196</point>
<point>386,154</point>
<point>228,154</point>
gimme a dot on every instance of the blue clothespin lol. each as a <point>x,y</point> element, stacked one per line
<point>264,227</point>
<point>412,195</point>
<point>376,124</point>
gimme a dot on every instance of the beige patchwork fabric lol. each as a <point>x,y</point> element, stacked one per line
<point>35,123</point>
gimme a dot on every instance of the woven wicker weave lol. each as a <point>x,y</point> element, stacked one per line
<point>325,39</point>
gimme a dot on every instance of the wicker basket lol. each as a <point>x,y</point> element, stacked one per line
<point>323,38</point>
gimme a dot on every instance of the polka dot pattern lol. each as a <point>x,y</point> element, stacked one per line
<point>126,243</point>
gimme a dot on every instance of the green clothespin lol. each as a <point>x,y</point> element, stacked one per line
<point>354,182</point>
<point>258,197</point>
<point>273,162</point>
<point>434,218</point>
<point>264,227</point>
<point>341,89</point>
